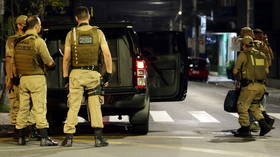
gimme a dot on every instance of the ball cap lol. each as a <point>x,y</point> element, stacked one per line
<point>21,19</point>
<point>247,40</point>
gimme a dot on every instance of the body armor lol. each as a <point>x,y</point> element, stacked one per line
<point>85,48</point>
<point>26,60</point>
<point>255,68</point>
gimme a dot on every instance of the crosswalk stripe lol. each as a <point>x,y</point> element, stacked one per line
<point>276,115</point>
<point>161,116</point>
<point>204,117</point>
<point>235,114</point>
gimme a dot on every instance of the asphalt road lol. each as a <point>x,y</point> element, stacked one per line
<point>196,127</point>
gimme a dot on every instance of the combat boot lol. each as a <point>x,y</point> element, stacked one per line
<point>265,128</point>
<point>268,119</point>
<point>67,142</point>
<point>45,140</point>
<point>33,133</point>
<point>243,132</point>
<point>22,136</point>
<point>254,126</point>
<point>100,141</point>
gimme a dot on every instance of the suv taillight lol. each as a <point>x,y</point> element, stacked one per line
<point>141,74</point>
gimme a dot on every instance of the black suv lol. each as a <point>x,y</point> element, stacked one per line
<point>127,93</point>
<point>166,55</point>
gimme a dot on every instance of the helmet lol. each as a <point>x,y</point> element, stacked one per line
<point>21,20</point>
<point>246,31</point>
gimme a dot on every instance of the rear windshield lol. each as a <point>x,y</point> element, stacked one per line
<point>197,63</point>
<point>162,43</point>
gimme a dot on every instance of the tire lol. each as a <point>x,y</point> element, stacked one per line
<point>140,120</point>
<point>55,120</point>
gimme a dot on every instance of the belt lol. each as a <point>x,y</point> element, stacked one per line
<point>92,67</point>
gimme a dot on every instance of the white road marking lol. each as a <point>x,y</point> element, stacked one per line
<point>275,115</point>
<point>235,114</point>
<point>115,119</point>
<point>161,116</point>
<point>203,117</point>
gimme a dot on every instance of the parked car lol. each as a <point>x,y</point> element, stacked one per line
<point>127,93</point>
<point>166,53</point>
<point>198,68</point>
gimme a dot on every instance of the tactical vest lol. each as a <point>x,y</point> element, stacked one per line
<point>261,46</point>
<point>85,48</point>
<point>255,68</point>
<point>26,60</point>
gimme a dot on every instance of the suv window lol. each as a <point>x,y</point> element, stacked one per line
<point>164,43</point>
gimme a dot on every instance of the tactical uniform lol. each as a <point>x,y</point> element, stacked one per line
<point>252,66</point>
<point>31,54</point>
<point>85,42</point>
<point>13,93</point>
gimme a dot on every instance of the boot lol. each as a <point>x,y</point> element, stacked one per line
<point>268,119</point>
<point>22,136</point>
<point>33,133</point>
<point>243,132</point>
<point>254,126</point>
<point>45,140</point>
<point>100,141</point>
<point>67,142</point>
<point>265,128</point>
<point>15,133</point>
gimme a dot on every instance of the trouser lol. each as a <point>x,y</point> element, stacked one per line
<point>13,96</point>
<point>262,107</point>
<point>79,81</point>
<point>32,88</point>
<point>254,91</point>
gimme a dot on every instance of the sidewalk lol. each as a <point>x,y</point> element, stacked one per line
<point>274,93</point>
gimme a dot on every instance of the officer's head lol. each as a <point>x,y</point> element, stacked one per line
<point>33,22</point>
<point>82,14</point>
<point>259,35</point>
<point>21,22</point>
<point>246,31</point>
<point>247,42</point>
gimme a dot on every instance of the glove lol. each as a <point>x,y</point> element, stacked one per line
<point>65,81</point>
<point>106,77</point>
<point>52,67</point>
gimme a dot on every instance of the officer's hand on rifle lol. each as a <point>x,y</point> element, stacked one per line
<point>105,79</point>
<point>66,82</point>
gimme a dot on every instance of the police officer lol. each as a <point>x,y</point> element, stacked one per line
<point>12,86</point>
<point>252,68</point>
<point>31,56</point>
<point>262,45</point>
<point>81,51</point>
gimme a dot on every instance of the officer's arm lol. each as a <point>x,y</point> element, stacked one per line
<point>106,54</point>
<point>44,53</point>
<point>66,61</point>
<point>67,55</point>
<point>8,59</point>
<point>241,60</point>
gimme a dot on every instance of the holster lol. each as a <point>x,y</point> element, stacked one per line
<point>95,91</point>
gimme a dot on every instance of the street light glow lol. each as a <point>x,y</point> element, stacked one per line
<point>180,12</point>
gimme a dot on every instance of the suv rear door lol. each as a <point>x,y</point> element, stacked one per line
<point>166,55</point>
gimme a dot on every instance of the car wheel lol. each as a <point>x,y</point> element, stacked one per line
<point>55,120</point>
<point>140,120</point>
